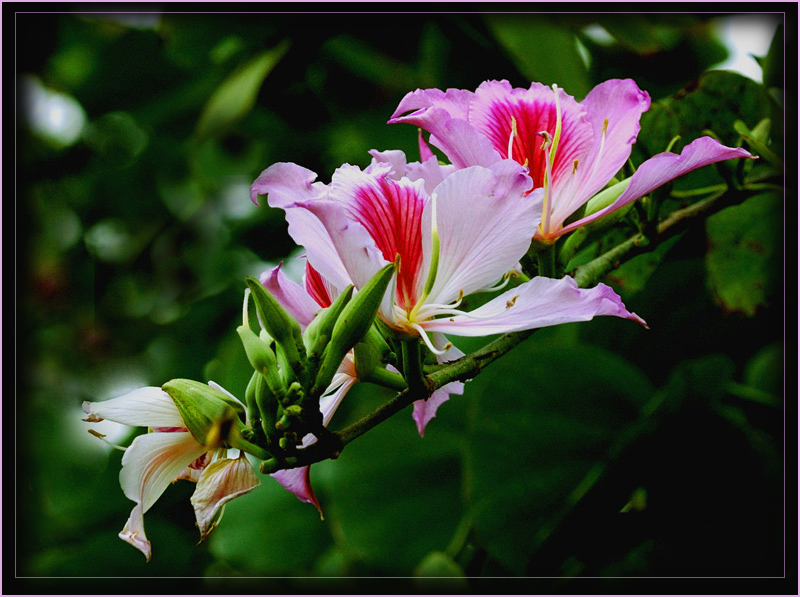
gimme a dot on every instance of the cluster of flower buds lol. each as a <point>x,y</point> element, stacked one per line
<point>294,368</point>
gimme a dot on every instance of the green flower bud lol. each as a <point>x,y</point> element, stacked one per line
<point>318,333</point>
<point>206,411</point>
<point>261,358</point>
<point>281,326</point>
<point>352,325</point>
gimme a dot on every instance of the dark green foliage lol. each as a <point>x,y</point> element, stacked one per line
<point>134,242</point>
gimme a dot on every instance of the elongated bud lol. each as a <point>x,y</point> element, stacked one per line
<point>262,359</point>
<point>318,333</point>
<point>370,353</point>
<point>352,325</point>
<point>281,326</point>
<point>206,411</point>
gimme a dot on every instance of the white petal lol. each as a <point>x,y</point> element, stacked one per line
<point>144,407</point>
<point>153,461</point>
<point>133,532</point>
<point>220,482</point>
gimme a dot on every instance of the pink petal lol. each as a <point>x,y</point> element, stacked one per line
<point>538,303</point>
<point>664,167</point>
<point>290,295</point>
<point>485,224</point>
<point>534,110</point>
<point>220,482</point>
<point>617,106</point>
<point>298,481</point>
<point>425,410</point>
<point>287,184</point>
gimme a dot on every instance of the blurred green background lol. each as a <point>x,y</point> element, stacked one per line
<point>592,450</point>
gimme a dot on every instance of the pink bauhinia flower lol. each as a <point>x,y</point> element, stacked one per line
<point>167,453</point>
<point>572,149</point>
<point>456,232</point>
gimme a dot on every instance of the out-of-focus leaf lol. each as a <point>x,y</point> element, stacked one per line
<point>542,420</point>
<point>236,96</point>
<point>269,532</point>
<point>368,63</point>
<point>394,496</point>
<point>116,137</point>
<point>757,140</point>
<point>743,258</point>
<point>542,50</point>
<point>714,102</point>
<point>438,564</point>
<point>772,65</point>
<point>632,275</point>
<point>640,33</point>
<point>765,370</point>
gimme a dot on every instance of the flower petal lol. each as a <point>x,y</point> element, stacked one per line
<point>534,110</point>
<point>444,115</point>
<point>298,481</point>
<point>664,167</point>
<point>143,407</point>
<point>286,184</point>
<point>538,303</point>
<point>220,482</point>
<point>425,410</point>
<point>153,461</point>
<point>613,109</point>
<point>485,224</point>
<point>133,532</point>
<point>290,295</point>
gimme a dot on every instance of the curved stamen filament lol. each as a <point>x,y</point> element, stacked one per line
<point>599,152</point>
<point>428,342</point>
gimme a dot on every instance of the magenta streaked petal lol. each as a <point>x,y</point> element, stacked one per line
<point>318,287</point>
<point>290,295</point>
<point>617,107</point>
<point>538,303</point>
<point>534,110</point>
<point>664,167</point>
<point>485,223</point>
<point>391,211</point>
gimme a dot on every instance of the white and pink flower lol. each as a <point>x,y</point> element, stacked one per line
<point>166,453</point>
<point>571,149</point>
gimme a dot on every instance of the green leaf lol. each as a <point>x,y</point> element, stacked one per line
<point>543,420</point>
<point>765,371</point>
<point>743,259</point>
<point>269,532</point>
<point>714,102</point>
<point>394,496</point>
<point>632,275</point>
<point>236,96</point>
<point>542,50</point>
<point>438,563</point>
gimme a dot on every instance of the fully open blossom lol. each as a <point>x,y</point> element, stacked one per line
<point>572,149</point>
<point>455,232</point>
<point>167,453</point>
